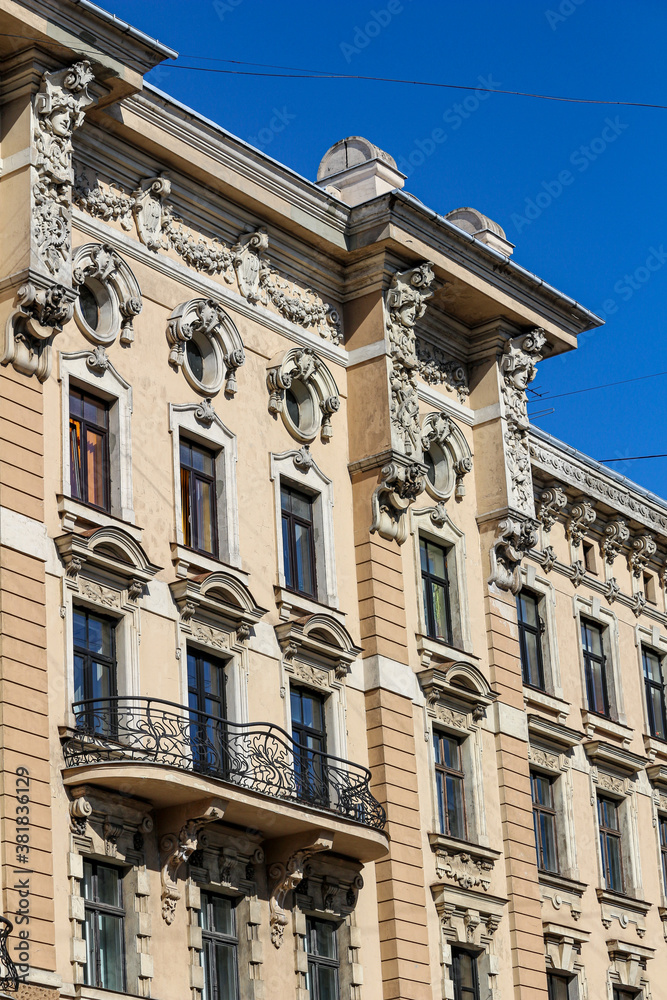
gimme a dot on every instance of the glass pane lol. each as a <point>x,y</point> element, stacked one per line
<point>615,868</point>
<point>440,611</point>
<point>325,939</point>
<point>99,636</point>
<point>663,831</point>
<point>652,667</point>
<point>75,403</point>
<point>295,704</point>
<point>440,782</point>
<point>89,972</point>
<point>528,609</point>
<point>285,499</point>
<point>94,460</point>
<point>103,680</point>
<point>186,457</point>
<point>192,677</point>
<point>88,306</point>
<point>548,834</point>
<point>108,886</point>
<point>225,962</point>
<point>79,693</point>
<point>222,915</point>
<point>327,983</point>
<point>79,624</point>
<point>658,720</point>
<point>597,687</point>
<point>301,506</point>
<point>437,561</point>
<point>203,502</point>
<point>87,880</point>
<point>591,638</point>
<point>287,559</point>
<point>95,411</point>
<point>531,666</point>
<point>195,360</point>
<point>76,483</point>
<point>455,808</point>
<point>430,467</point>
<point>292,407</point>
<point>422,554</point>
<point>186,513</point>
<point>464,965</point>
<point>541,790</point>
<point>111,952</point>
<point>302,544</point>
<point>558,987</point>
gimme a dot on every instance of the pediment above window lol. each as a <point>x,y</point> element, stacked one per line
<point>111,554</point>
<point>315,646</point>
<point>629,961</point>
<point>608,755</point>
<point>468,916</point>
<point>455,690</point>
<point>218,597</point>
<point>553,733</point>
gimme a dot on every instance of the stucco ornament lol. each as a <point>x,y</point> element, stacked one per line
<point>175,851</point>
<point>59,110</point>
<point>38,315</point>
<point>313,393</point>
<point>582,517</point>
<point>450,454</point>
<point>205,344</point>
<point>152,218</point>
<point>518,368</point>
<point>405,304</point>
<point>284,877</point>
<point>248,259</point>
<point>115,291</point>
<point>642,551</point>
<point>616,535</point>
<point>437,368</point>
<point>401,483</point>
<point>467,871</point>
<point>551,503</point>
<point>514,538</point>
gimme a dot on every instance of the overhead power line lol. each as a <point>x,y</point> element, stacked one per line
<point>591,388</point>
<point>632,458</point>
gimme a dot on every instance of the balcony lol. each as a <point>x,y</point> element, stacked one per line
<point>171,755</point>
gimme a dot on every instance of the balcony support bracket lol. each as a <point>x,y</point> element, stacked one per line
<point>286,869</point>
<point>176,849</point>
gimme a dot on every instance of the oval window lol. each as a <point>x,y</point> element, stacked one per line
<point>195,360</point>
<point>90,309</point>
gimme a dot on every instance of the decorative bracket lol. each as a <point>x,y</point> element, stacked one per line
<point>39,314</point>
<point>285,876</point>
<point>401,483</point>
<point>175,850</point>
<point>514,538</point>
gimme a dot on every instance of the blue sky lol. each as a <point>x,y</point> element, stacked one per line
<point>580,189</point>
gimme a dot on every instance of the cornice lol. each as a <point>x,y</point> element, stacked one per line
<point>609,755</point>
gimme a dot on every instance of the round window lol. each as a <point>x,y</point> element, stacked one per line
<point>203,363</point>
<point>301,412</point>
<point>439,472</point>
<point>430,467</point>
<point>292,404</point>
<point>96,311</point>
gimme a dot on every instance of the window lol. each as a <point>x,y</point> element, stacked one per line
<point>435,590</point>
<point>103,927</point>
<point>621,994</point>
<point>198,498</point>
<point>610,844</point>
<point>465,975</point>
<point>531,629</point>
<point>206,701</point>
<point>650,588</point>
<point>298,543</point>
<point>655,694</point>
<point>589,558</point>
<point>562,987</point>
<point>595,668</point>
<point>217,918</point>
<point>662,826</point>
<point>449,785</point>
<point>544,821</point>
<point>310,740</point>
<point>89,449</point>
<point>94,666</point>
<point>323,963</point>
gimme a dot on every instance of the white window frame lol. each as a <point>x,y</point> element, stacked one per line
<point>546,594</point>
<point>555,765</point>
<point>627,818</point>
<point>217,438</point>
<point>449,537</point>
<point>308,477</point>
<point>108,385</point>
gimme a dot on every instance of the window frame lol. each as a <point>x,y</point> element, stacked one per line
<point>465,992</point>
<point>455,774</point>
<point>427,581</point>
<point>539,810</point>
<point>662,836</point>
<point>88,656</point>
<point>103,430</point>
<point>654,685</point>
<point>316,961</point>
<point>94,907</point>
<point>189,520</point>
<point>590,657</point>
<point>213,937</point>
<point>289,553</point>
<point>301,751</point>
<point>571,984</point>
<point>538,631</point>
<point>616,834</point>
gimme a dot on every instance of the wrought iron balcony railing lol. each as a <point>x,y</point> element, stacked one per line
<point>258,757</point>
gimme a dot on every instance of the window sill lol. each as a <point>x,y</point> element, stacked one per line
<point>562,882</point>
<point>440,842</point>
<point>467,864</point>
<point>541,699</point>
<point>188,560</point>
<point>655,749</point>
<point>75,514</point>
<point>598,725</point>
<point>440,652</point>
<point>291,605</point>
<point>623,901</point>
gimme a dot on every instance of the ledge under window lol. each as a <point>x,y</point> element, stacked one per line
<point>185,559</point>
<point>74,513</point>
<point>597,724</point>
<point>616,901</point>
<point>543,700</point>
<point>288,602</point>
<point>434,649</point>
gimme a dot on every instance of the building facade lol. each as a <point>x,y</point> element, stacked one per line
<point>323,674</point>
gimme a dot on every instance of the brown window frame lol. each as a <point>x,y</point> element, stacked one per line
<point>607,832</point>
<point>79,426</point>
<point>539,810</point>
<point>456,774</point>
<point>188,480</point>
<point>289,519</point>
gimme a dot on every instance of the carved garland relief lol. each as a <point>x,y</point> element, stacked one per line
<point>518,367</point>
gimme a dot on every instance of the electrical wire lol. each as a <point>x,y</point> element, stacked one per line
<point>632,458</point>
<point>593,388</point>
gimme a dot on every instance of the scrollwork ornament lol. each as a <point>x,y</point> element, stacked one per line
<point>514,538</point>
<point>437,368</point>
<point>38,315</point>
<point>582,518</point>
<point>552,502</point>
<point>548,558</point>
<point>400,485</point>
<point>518,367</point>
<point>578,572</point>
<point>611,590</point>
<point>642,551</point>
<point>616,535</point>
